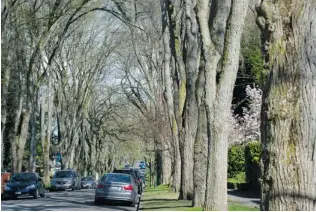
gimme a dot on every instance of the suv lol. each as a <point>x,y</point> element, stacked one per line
<point>66,179</point>
<point>136,175</point>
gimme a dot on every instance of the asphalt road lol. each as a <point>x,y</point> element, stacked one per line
<point>82,200</point>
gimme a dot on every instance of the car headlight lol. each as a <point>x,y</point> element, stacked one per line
<point>52,182</point>
<point>31,187</point>
<point>7,188</point>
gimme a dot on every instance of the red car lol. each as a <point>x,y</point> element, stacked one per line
<point>5,177</point>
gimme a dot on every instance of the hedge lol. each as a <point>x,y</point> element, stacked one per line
<point>244,166</point>
<point>236,160</point>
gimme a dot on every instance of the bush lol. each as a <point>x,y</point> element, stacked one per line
<point>252,158</point>
<point>236,160</point>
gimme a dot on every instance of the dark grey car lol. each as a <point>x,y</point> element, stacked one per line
<point>117,187</point>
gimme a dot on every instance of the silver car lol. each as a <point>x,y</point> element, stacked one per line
<point>66,179</point>
<point>117,187</point>
<point>87,182</point>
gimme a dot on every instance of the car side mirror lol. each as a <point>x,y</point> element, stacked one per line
<point>40,180</point>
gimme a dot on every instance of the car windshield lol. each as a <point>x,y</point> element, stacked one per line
<point>87,179</point>
<point>117,178</point>
<point>64,174</point>
<point>23,177</point>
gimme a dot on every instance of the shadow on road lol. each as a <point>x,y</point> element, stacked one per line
<point>244,194</point>
<point>256,201</point>
<point>66,201</point>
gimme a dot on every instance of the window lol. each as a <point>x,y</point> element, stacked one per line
<point>64,174</point>
<point>117,178</point>
<point>23,177</point>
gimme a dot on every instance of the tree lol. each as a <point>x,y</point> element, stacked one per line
<point>220,76</point>
<point>246,127</point>
<point>289,101</point>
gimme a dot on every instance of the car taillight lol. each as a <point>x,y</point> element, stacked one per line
<point>128,188</point>
<point>100,186</point>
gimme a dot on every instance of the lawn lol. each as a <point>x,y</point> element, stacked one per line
<point>162,199</point>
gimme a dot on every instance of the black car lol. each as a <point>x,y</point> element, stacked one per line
<point>87,182</point>
<point>24,185</point>
<point>136,175</point>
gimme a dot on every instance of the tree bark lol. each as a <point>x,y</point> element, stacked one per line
<point>166,165</point>
<point>289,105</point>
<point>33,137</point>
<point>189,116</point>
<point>47,137</point>
<point>218,101</point>
<point>200,145</point>
<point>21,139</point>
<point>169,96</point>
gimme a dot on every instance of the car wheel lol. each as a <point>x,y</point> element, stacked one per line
<point>14,197</point>
<point>97,201</point>
<point>42,195</point>
<point>36,194</point>
<point>133,204</point>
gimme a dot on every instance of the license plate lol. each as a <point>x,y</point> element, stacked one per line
<point>18,192</point>
<point>115,188</point>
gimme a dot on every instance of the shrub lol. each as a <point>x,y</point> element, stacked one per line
<point>252,159</point>
<point>253,152</point>
<point>236,160</point>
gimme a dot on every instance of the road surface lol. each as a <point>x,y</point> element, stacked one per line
<point>82,200</point>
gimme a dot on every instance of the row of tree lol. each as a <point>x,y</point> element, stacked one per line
<point>87,78</point>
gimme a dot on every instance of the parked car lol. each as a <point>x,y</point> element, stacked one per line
<point>87,182</point>
<point>136,175</point>
<point>24,184</point>
<point>66,179</point>
<point>142,165</point>
<point>117,187</point>
<point>142,175</point>
<point>5,177</point>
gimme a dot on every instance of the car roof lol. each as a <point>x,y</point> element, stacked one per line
<point>118,174</point>
<point>125,169</point>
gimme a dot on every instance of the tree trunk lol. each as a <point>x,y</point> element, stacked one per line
<point>289,105</point>
<point>189,117</point>
<point>33,137</point>
<point>169,97</point>
<point>5,78</point>
<point>218,104</point>
<point>21,139</point>
<point>166,166</point>
<point>158,160</point>
<point>46,142</point>
<point>200,146</point>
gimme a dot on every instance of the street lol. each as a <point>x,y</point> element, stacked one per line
<point>82,200</point>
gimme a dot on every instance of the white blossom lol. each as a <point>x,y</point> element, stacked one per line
<point>246,127</point>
